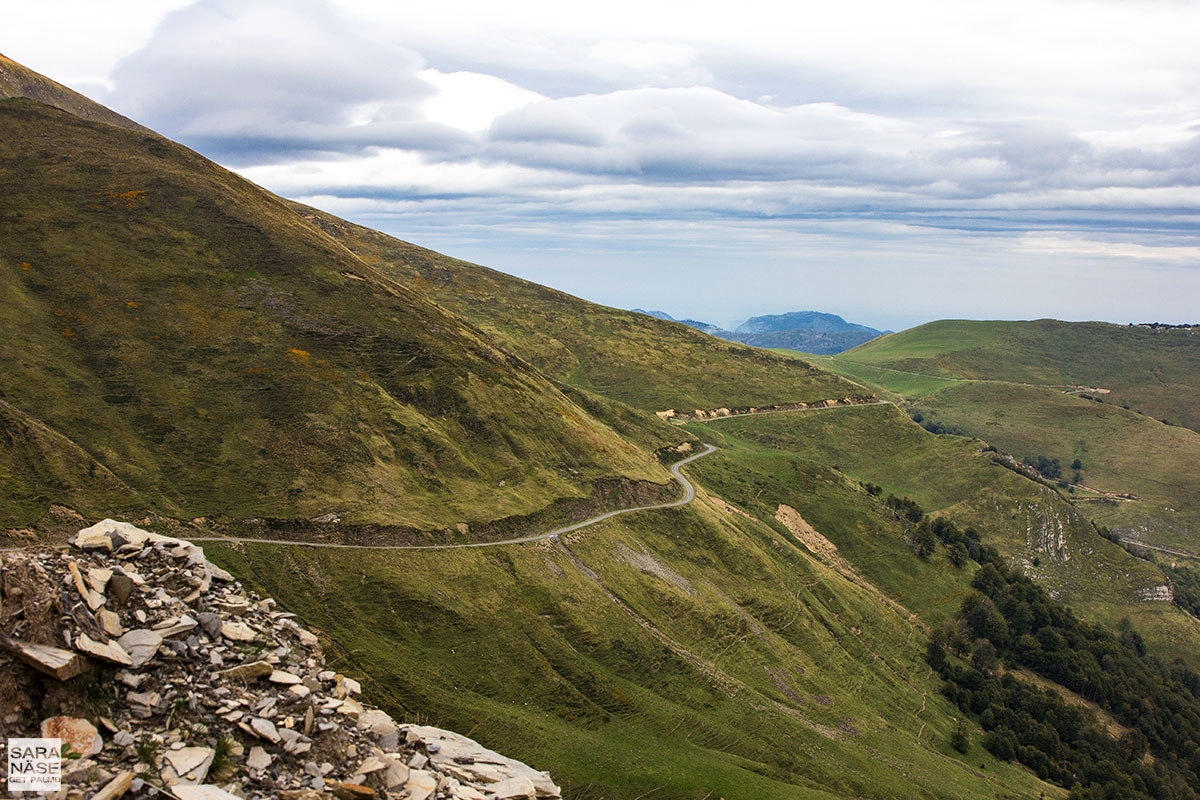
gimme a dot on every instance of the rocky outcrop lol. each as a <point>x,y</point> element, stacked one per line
<point>167,679</point>
<point>1160,593</point>
<point>718,413</point>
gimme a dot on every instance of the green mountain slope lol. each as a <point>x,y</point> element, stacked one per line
<point>38,466</point>
<point>1119,453</point>
<point>650,363</point>
<point>178,341</point>
<point>219,356</point>
<point>681,653</point>
<point>1153,371</point>
<point>1015,385</point>
<point>1032,526</point>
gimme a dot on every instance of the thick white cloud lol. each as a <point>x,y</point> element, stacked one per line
<point>240,77</point>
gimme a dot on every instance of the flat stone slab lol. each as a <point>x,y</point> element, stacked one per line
<point>105,651</point>
<point>52,661</point>
<point>188,765</point>
<point>246,672</point>
<point>238,632</point>
<point>141,644</point>
<point>80,734</point>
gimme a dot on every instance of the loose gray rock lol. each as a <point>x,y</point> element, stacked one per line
<point>141,644</point>
<point>185,656</point>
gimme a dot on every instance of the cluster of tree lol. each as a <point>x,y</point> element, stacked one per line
<point>1154,326</point>
<point>1010,622</point>
<point>1047,467</point>
<point>927,533</point>
<point>933,426</point>
<point>905,508</point>
<point>1025,470</point>
<point>1185,585</point>
<point>1052,469</point>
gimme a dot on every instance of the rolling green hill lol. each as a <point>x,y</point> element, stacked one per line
<point>1032,525</point>
<point>199,350</point>
<point>646,362</point>
<point>1153,371</point>
<point>1062,394</point>
<point>1118,452</point>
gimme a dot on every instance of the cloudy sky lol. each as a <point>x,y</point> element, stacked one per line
<point>891,162</point>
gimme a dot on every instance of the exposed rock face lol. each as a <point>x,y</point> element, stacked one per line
<point>164,674</point>
<point>1160,593</point>
<point>717,413</point>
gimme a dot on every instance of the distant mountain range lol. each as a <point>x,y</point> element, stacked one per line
<point>806,331</point>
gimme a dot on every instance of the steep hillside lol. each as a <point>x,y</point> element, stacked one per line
<point>1124,470</point>
<point>766,641</point>
<point>177,340</point>
<point>650,363</point>
<point>682,653</point>
<point>1031,525</point>
<point>17,80</point>
<point>1073,397</point>
<point>1155,371</point>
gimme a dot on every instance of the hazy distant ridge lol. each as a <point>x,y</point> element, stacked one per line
<point>807,331</point>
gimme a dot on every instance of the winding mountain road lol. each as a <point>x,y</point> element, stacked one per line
<point>689,494</point>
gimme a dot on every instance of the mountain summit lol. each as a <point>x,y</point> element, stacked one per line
<point>806,331</point>
<point>802,320</point>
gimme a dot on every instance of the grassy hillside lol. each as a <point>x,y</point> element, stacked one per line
<point>1030,524</point>
<point>683,653</point>
<point>1155,372</point>
<point>38,465</point>
<point>176,340</point>
<point>650,363</point>
<point>725,647</point>
<point>190,341</point>
<point>1119,452</point>
<point>986,380</point>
